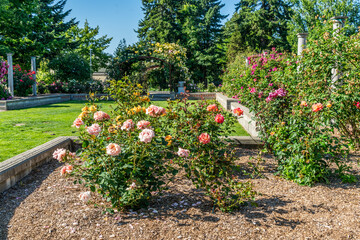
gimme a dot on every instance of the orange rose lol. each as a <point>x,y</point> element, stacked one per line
<point>238,111</point>
<point>204,138</point>
<point>212,108</point>
<point>317,107</point>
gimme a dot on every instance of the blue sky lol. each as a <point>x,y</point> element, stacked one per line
<point>118,18</point>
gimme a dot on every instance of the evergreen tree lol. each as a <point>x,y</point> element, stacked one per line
<point>120,49</point>
<point>307,12</point>
<point>87,38</point>
<point>194,24</point>
<point>258,25</point>
<point>204,39</point>
<point>36,28</point>
<point>162,21</point>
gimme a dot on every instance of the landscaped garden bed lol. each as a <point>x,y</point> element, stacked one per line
<point>27,128</point>
<point>45,205</point>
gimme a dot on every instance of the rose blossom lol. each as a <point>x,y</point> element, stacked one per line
<point>113,149</point>
<point>146,135</point>
<point>77,123</point>
<point>155,111</point>
<point>357,105</point>
<point>204,138</point>
<point>143,124</point>
<point>132,186</point>
<point>183,152</point>
<point>85,196</point>
<point>212,108</point>
<point>100,115</point>
<point>303,104</point>
<point>253,90</point>
<point>66,169</point>
<point>219,118</point>
<point>317,107</point>
<point>94,129</point>
<point>128,125</point>
<point>238,111</point>
<point>59,154</point>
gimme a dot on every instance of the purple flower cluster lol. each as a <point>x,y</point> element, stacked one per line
<point>277,93</point>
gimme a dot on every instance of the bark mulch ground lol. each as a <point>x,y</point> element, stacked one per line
<point>45,205</point>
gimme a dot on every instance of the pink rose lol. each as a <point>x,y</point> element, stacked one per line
<point>143,124</point>
<point>66,169</point>
<point>219,118</point>
<point>85,196</point>
<point>132,186</point>
<point>253,90</point>
<point>113,149</point>
<point>128,125</point>
<point>100,115</point>
<point>204,138</point>
<point>77,123</point>
<point>146,135</point>
<point>94,129</point>
<point>183,153</point>
<point>59,154</point>
<point>155,111</point>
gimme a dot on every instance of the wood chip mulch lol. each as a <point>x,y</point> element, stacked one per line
<point>45,205</point>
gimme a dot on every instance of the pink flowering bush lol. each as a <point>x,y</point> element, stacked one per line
<point>299,107</point>
<point>128,165</point>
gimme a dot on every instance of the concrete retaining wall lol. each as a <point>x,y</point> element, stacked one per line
<point>245,120</point>
<point>14,169</point>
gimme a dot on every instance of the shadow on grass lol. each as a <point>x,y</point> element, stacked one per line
<point>13,197</point>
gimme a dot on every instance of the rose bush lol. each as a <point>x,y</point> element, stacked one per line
<point>134,153</point>
<point>306,118</point>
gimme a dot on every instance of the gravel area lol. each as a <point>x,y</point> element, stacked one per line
<point>45,205</point>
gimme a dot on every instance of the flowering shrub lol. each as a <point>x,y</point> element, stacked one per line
<point>299,106</point>
<point>4,92</point>
<point>73,86</point>
<point>23,81</point>
<point>131,155</point>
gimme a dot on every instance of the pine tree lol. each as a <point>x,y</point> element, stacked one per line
<point>204,39</point>
<point>307,12</point>
<point>258,25</point>
<point>36,28</point>
<point>162,21</point>
<point>87,38</point>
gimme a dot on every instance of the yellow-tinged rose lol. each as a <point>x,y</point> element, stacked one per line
<point>93,108</point>
<point>168,138</point>
<point>82,115</point>
<point>85,109</point>
<point>272,133</point>
<point>328,105</point>
<point>112,129</point>
<point>118,118</point>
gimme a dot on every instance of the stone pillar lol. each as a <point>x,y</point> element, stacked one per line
<point>338,23</point>
<point>10,74</point>
<point>33,69</point>
<point>246,62</point>
<point>301,42</point>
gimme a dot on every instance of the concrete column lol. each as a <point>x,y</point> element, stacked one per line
<point>10,74</point>
<point>301,42</point>
<point>246,62</point>
<point>33,69</point>
<point>338,23</point>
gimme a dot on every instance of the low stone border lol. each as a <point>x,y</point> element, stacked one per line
<point>245,120</point>
<point>15,168</point>
<point>35,101</point>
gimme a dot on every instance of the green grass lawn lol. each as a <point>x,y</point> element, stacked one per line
<point>24,129</point>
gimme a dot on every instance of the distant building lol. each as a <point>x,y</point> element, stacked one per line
<point>100,75</point>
